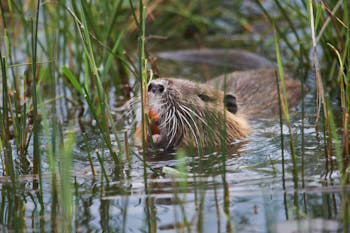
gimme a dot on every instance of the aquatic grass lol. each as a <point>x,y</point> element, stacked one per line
<point>344,100</point>
<point>7,113</point>
<point>126,146</point>
<point>114,131</point>
<point>142,75</point>
<point>284,106</point>
<point>142,81</point>
<point>9,166</point>
<point>102,107</point>
<point>13,96</point>
<point>281,130</point>
<point>110,57</point>
<point>89,154</point>
<point>302,94</point>
<point>85,38</point>
<point>329,30</point>
<point>82,90</point>
<point>337,144</point>
<point>116,50</point>
<point>324,39</point>
<point>336,44</point>
<point>321,26</point>
<point>319,84</point>
<point>105,175</point>
<point>36,152</point>
<point>128,157</point>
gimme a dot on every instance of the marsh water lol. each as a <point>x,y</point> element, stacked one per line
<point>248,189</point>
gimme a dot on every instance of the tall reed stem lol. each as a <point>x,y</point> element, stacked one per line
<point>36,153</point>
<point>284,104</point>
<point>6,124</point>
<point>319,85</point>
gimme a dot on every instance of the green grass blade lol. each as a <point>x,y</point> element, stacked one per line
<point>73,80</point>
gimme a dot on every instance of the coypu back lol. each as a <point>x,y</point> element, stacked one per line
<point>256,90</point>
<point>229,58</point>
<point>254,86</point>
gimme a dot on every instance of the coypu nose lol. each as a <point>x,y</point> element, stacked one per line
<point>155,88</point>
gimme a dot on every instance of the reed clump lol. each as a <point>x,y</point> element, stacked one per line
<point>328,22</point>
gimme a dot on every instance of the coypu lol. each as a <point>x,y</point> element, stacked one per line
<point>187,112</point>
<point>190,113</point>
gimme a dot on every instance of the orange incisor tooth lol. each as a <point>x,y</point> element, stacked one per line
<point>153,115</point>
<point>154,129</point>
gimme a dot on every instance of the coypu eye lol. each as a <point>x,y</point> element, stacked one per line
<point>230,103</point>
<point>204,97</point>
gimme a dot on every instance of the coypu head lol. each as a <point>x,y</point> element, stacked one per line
<point>189,113</point>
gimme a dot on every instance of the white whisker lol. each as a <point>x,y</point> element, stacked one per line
<point>199,117</point>
<point>189,114</point>
<point>189,125</point>
<point>173,131</point>
<point>168,115</point>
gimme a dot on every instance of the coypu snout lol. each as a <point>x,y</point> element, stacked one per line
<point>155,91</point>
<point>155,88</point>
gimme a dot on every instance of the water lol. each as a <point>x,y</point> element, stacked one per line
<point>253,196</point>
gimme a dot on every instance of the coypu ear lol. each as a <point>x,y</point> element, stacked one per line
<point>230,103</point>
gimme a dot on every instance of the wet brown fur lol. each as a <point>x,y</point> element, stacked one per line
<point>211,123</point>
<point>256,90</point>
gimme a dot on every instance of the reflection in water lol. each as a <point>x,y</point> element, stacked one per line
<point>197,210</point>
